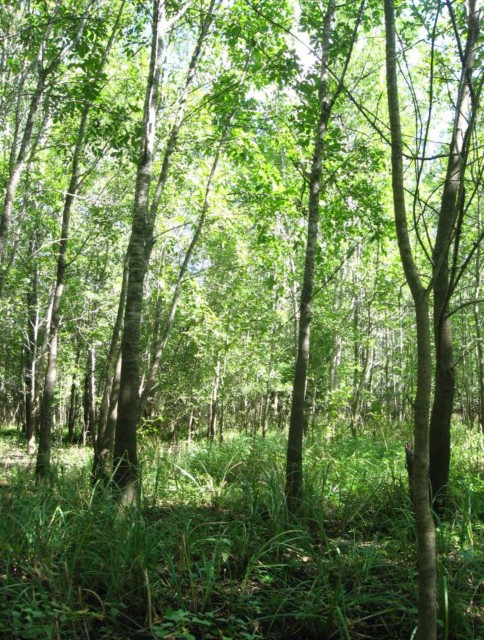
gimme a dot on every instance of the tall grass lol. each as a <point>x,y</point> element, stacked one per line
<point>212,553</point>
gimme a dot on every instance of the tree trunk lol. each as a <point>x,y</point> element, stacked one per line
<point>72,414</point>
<point>357,362</point>
<point>265,409</point>
<point>104,438</point>
<point>221,425</point>
<point>212,428</point>
<point>294,473</point>
<point>426,553</point>
<point>45,430</point>
<point>451,203</point>
<point>479,346</point>
<point>45,427</point>
<point>190,424</point>
<point>182,105</point>
<point>106,454</point>
<point>314,407</point>
<point>125,451</point>
<point>335,358</point>
<point>139,250</point>
<point>274,336</point>
<point>31,350</point>
<point>89,399</point>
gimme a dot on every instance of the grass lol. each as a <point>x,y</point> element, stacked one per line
<point>211,554</point>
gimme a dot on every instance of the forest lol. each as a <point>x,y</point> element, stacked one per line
<point>241,320</point>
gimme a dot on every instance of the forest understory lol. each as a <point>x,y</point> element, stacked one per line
<point>241,320</point>
<point>211,552</point>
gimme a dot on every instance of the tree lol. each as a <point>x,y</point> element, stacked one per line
<point>141,241</point>
<point>427,564</point>
<point>45,430</point>
<point>161,341</point>
<point>450,221</point>
<point>91,89</point>
<point>125,453</point>
<point>104,437</point>
<point>326,102</point>
<point>45,69</point>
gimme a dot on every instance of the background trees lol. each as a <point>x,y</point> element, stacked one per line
<point>250,113</point>
<point>158,168</point>
<point>252,106</point>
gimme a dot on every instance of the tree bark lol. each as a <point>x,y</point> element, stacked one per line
<point>104,438</point>
<point>46,418</point>
<point>479,338</point>
<point>426,552</point>
<point>294,473</point>
<point>212,427</point>
<point>125,451</point>
<point>31,349</point>
<point>139,250</point>
<point>88,433</point>
<point>451,202</point>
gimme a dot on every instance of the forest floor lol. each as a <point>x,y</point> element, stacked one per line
<point>211,553</point>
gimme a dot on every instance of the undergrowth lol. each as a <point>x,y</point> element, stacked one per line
<point>212,554</point>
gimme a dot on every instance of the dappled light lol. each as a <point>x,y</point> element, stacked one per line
<point>241,320</point>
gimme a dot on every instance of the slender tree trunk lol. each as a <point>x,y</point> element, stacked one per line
<point>177,123</point>
<point>46,418</point>
<point>479,341</point>
<point>74,396</point>
<point>111,419</point>
<point>31,350</point>
<point>268,392</point>
<point>221,425</point>
<point>212,428</point>
<point>440,440</point>
<point>89,399</point>
<point>265,410</point>
<point>190,424</point>
<point>139,250</point>
<point>125,452</point>
<point>314,406</point>
<point>104,439</point>
<point>72,414</point>
<point>335,358</point>
<point>426,551</point>
<point>361,380</point>
<point>294,475</point>
<point>357,372</point>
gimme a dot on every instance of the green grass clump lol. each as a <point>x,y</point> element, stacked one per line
<point>212,553</point>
